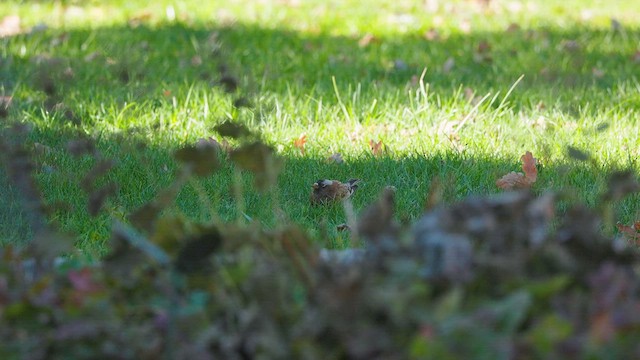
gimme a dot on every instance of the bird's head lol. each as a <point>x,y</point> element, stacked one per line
<point>321,184</point>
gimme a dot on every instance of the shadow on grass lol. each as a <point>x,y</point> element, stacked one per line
<point>116,66</point>
<point>140,173</point>
<point>126,64</point>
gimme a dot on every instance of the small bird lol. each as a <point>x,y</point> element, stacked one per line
<point>326,191</point>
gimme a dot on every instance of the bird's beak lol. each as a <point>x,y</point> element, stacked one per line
<point>315,185</point>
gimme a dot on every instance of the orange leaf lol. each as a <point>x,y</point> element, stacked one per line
<point>514,180</point>
<point>529,167</point>
<point>299,142</point>
<point>376,147</point>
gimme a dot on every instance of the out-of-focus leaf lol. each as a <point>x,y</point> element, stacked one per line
<point>99,169</point>
<point>548,332</point>
<point>49,244</point>
<point>511,311</point>
<point>621,184</point>
<point>201,159</point>
<point>98,197</point>
<point>145,217</point>
<point>261,160</point>
<point>169,232</point>
<point>80,147</point>
<point>196,251</point>
<point>577,154</point>
<point>138,241</point>
<point>233,130</point>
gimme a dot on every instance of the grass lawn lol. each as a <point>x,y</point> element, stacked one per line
<point>449,90</point>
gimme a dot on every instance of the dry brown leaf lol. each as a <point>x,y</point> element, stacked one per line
<point>432,35</point>
<point>514,180</point>
<point>376,147</point>
<point>630,233</point>
<point>597,73</point>
<point>300,142</point>
<point>448,65</point>
<point>367,39</point>
<point>196,60</point>
<point>335,158</point>
<point>529,167</point>
<point>513,27</point>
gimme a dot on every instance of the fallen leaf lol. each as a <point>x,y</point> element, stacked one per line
<point>196,60</point>
<point>482,53</point>
<point>570,45</point>
<point>448,65</point>
<point>514,180</point>
<point>367,39</point>
<point>630,233</point>
<point>300,142</point>
<point>9,26</point>
<point>465,26</point>
<point>513,27</point>
<point>597,73</point>
<point>335,158</point>
<point>376,147</point>
<point>432,35</point>
<point>616,25</point>
<point>469,94</point>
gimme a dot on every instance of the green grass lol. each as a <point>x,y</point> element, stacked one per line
<point>143,88</point>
